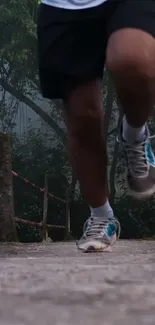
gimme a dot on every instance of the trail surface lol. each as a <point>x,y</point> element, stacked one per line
<point>54,284</point>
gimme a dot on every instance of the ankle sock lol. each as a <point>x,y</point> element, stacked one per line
<point>102,211</point>
<point>131,134</point>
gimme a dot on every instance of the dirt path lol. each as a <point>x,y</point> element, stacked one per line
<point>54,284</point>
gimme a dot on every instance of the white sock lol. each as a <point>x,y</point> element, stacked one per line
<point>131,134</point>
<point>103,211</point>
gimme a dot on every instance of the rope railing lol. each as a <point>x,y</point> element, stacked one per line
<point>26,181</point>
<point>43,224</point>
<point>7,213</point>
<point>37,224</point>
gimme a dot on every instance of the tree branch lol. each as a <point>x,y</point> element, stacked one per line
<point>38,110</point>
<point>113,131</point>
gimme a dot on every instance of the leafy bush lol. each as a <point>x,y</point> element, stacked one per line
<point>137,218</point>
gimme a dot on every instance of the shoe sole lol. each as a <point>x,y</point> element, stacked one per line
<point>96,247</point>
<point>92,249</point>
<point>141,195</point>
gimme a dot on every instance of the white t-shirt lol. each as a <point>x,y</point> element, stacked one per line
<point>73,4</point>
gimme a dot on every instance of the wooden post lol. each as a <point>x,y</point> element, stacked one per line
<point>7,222</point>
<point>45,207</point>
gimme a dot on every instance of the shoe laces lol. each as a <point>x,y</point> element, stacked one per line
<point>137,158</point>
<point>95,227</point>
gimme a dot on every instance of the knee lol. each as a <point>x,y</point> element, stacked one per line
<point>85,118</point>
<point>128,55</point>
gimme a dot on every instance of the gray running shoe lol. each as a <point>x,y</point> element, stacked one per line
<point>99,234</point>
<point>140,167</point>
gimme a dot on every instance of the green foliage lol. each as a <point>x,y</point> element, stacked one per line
<point>8,110</point>
<point>18,41</point>
<point>32,157</point>
<point>28,234</point>
<point>136,218</point>
<point>80,213</point>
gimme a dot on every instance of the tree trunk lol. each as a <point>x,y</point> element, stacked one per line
<point>114,164</point>
<point>68,204</point>
<point>45,207</point>
<point>108,106</point>
<point>7,222</point>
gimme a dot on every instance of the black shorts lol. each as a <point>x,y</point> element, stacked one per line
<point>72,43</point>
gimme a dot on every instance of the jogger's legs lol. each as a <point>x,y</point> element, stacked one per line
<point>88,155</point>
<point>131,61</point>
<point>71,54</point>
<point>87,148</point>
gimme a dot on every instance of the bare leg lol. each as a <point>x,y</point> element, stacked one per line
<point>88,155</point>
<point>87,148</point>
<point>131,61</point>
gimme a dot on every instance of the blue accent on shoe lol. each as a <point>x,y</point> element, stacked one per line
<point>150,154</point>
<point>111,229</point>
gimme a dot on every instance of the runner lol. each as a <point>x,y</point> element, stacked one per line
<point>76,38</point>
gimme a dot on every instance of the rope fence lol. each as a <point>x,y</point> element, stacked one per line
<point>43,224</point>
<point>26,181</point>
<point>7,212</point>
